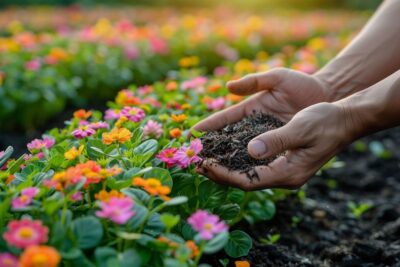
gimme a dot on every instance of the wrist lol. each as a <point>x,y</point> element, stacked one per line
<point>359,115</point>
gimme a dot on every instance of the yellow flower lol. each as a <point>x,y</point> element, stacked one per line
<point>73,153</point>
<point>121,121</point>
<point>120,135</point>
<point>244,65</point>
<point>105,196</point>
<point>187,62</point>
<point>178,118</point>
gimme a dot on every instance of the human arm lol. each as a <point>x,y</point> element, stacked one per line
<point>314,135</point>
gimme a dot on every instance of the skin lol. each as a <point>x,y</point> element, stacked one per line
<point>357,93</point>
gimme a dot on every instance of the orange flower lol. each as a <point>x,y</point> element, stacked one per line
<point>120,135</point>
<point>178,118</point>
<point>91,171</point>
<point>153,187</point>
<point>39,256</point>
<point>175,133</point>
<point>214,88</point>
<point>193,248</point>
<point>105,196</point>
<point>242,264</point>
<point>10,178</point>
<point>126,98</point>
<point>234,98</point>
<point>171,86</point>
<point>82,114</point>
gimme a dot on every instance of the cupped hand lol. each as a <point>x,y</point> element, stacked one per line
<point>311,138</point>
<point>280,92</point>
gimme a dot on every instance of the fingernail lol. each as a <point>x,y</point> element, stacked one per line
<point>257,147</point>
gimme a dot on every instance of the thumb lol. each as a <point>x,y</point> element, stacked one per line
<point>253,83</point>
<point>274,142</point>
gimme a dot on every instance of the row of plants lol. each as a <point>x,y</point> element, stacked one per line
<point>121,188</point>
<point>41,73</point>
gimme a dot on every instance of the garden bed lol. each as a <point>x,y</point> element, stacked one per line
<point>321,230</point>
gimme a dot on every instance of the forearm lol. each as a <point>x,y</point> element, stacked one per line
<point>373,109</point>
<point>373,55</point>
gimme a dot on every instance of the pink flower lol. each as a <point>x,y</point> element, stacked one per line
<point>21,202</point>
<point>158,46</point>
<point>99,125</point>
<point>131,52</point>
<point>133,114</point>
<point>38,144</point>
<point>216,104</point>
<point>33,64</point>
<point>168,156</point>
<point>83,131</point>
<point>77,196</point>
<point>112,114</point>
<point>220,71</point>
<point>153,129</point>
<point>8,260</point>
<point>188,155</point>
<point>25,233</point>
<point>195,83</point>
<point>2,153</point>
<point>30,191</point>
<point>27,195</point>
<point>118,210</point>
<point>206,224</point>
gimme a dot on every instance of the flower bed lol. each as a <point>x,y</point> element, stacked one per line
<point>120,188</point>
<point>82,60</point>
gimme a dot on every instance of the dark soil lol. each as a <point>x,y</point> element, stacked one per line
<point>228,146</point>
<point>327,233</point>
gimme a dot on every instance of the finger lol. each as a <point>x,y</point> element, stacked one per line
<point>280,173</point>
<point>221,174</point>
<point>275,142</point>
<point>253,83</point>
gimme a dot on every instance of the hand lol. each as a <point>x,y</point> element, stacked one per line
<point>281,92</point>
<point>310,139</point>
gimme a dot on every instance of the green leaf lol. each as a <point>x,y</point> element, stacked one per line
<point>148,146</point>
<point>176,201</point>
<point>95,148</point>
<point>16,164</point>
<point>104,254</point>
<point>72,254</point>
<point>169,220</point>
<point>138,219</point>
<point>88,231</point>
<point>154,225</point>
<point>159,173</point>
<point>239,244</point>
<point>7,154</point>
<point>211,195</point>
<point>217,243</point>
<point>228,211</point>
<point>130,258</point>
<point>261,211</point>
<point>137,194</point>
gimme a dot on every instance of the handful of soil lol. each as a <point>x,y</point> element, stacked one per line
<point>228,146</point>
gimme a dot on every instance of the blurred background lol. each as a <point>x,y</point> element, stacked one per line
<point>248,4</point>
<point>57,56</point>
